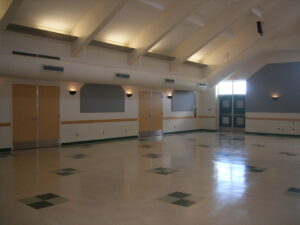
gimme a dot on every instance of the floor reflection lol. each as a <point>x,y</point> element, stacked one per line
<point>230,179</point>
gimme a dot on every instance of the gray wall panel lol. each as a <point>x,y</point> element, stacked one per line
<point>281,78</point>
<point>183,101</point>
<point>101,98</point>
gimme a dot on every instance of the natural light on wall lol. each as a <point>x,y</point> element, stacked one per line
<point>236,87</point>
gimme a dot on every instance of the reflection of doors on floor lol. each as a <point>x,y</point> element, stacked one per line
<point>150,113</point>
<point>35,116</point>
<point>232,112</point>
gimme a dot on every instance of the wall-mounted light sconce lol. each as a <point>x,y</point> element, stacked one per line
<point>170,96</point>
<point>128,94</point>
<point>275,96</point>
<point>72,92</point>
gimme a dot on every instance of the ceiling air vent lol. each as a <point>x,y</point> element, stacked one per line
<point>24,53</point>
<point>57,69</point>
<point>35,55</point>
<point>122,76</point>
<point>49,57</point>
<point>202,85</point>
<point>170,81</point>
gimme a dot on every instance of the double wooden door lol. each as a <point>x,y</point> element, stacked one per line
<point>36,117</point>
<point>150,113</point>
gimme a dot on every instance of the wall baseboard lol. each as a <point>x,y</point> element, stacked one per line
<point>5,149</point>
<point>98,140</point>
<point>272,134</point>
<point>190,131</point>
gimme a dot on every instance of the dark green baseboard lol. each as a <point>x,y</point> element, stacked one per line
<point>5,149</point>
<point>273,135</point>
<point>98,140</point>
<point>190,131</point>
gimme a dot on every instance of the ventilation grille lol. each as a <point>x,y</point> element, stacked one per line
<point>56,69</point>
<point>35,55</point>
<point>202,85</point>
<point>169,81</point>
<point>122,76</point>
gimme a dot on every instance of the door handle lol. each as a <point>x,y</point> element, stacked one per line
<point>34,118</point>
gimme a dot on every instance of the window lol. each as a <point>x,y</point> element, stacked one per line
<point>237,87</point>
<point>101,98</point>
<point>183,101</point>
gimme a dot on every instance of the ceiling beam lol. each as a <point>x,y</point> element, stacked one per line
<point>95,21</point>
<point>174,14</point>
<point>211,30</point>
<point>8,8</point>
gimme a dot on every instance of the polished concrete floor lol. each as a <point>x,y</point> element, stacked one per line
<point>185,179</point>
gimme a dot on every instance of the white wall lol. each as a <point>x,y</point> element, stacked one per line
<point>70,111</point>
<point>273,123</point>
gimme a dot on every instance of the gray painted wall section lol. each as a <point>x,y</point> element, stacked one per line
<point>101,98</point>
<point>183,101</point>
<point>281,78</point>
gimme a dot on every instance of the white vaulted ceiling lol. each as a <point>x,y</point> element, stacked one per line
<point>218,33</point>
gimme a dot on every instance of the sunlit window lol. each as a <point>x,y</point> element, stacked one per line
<point>225,88</point>
<point>237,87</point>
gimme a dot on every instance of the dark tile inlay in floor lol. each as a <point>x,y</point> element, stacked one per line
<point>181,199</point>
<point>153,156</point>
<point>255,169</point>
<point>293,191</point>
<point>43,201</point>
<point>66,171</point>
<point>163,171</point>
<point>79,156</point>
<point>288,153</point>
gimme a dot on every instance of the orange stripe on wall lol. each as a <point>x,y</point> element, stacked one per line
<point>272,119</point>
<point>5,124</point>
<point>98,121</point>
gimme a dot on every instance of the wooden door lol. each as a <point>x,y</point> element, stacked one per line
<point>144,111</point>
<point>156,111</point>
<point>150,112</point>
<point>24,119</point>
<point>49,116</point>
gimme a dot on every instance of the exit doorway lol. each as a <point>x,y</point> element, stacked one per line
<point>232,103</point>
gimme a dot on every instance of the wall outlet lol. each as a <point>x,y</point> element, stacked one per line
<point>76,134</point>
